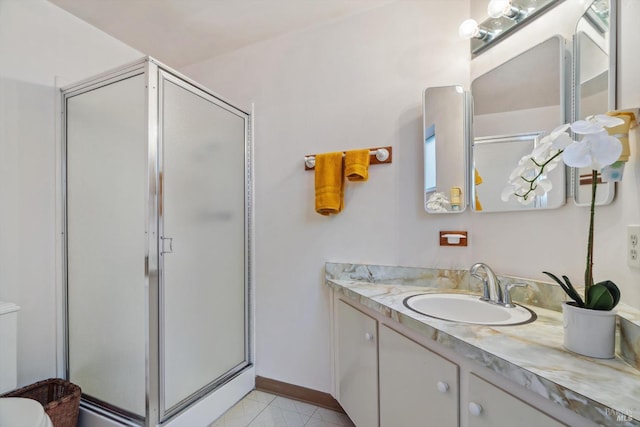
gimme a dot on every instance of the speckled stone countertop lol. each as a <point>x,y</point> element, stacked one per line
<point>532,355</point>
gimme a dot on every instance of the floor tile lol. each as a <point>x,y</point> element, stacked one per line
<point>294,405</point>
<point>272,416</point>
<point>332,417</point>
<point>260,409</point>
<point>314,422</point>
<point>241,414</point>
<point>260,396</point>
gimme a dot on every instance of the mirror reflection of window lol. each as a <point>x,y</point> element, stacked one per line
<point>430,159</point>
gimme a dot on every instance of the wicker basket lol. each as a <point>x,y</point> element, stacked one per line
<point>60,398</point>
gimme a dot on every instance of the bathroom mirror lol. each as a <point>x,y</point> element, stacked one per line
<point>594,85</point>
<point>512,105</point>
<point>446,112</point>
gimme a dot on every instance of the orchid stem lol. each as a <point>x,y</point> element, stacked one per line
<point>532,181</point>
<point>588,274</point>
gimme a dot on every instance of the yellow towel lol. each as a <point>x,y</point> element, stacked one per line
<point>622,131</point>
<point>329,183</point>
<point>356,165</point>
<point>477,181</point>
<point>477,178</point>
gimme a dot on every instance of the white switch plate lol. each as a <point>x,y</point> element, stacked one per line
<point>633,246</point>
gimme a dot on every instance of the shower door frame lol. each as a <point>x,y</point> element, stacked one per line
<point>163,73</point>
<point>156,413</point>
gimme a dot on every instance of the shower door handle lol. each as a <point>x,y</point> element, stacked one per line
<point>163,240</point>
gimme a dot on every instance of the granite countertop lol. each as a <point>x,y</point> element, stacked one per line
<point>606,391</point>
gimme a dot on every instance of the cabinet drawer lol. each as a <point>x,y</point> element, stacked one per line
<point>489,406</point>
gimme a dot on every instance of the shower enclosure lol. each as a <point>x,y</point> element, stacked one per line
<point>157,201</point>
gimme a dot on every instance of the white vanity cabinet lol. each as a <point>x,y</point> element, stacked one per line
<point>388,378</point>
<point>417,386</point>
<point>490,406</point>
<point>356,363</point>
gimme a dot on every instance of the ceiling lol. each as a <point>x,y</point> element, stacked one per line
<point>182,32</point>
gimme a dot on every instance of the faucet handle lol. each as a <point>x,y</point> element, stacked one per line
<point>486,293</point>
<point>507,293</point>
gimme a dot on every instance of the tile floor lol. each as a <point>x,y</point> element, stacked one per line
<point>260,409</point>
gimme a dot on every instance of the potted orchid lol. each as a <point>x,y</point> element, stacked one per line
<point>594,149</point>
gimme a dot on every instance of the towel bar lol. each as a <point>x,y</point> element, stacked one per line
<point>377,156</point>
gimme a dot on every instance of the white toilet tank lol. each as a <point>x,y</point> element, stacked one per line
<point>8,346</point>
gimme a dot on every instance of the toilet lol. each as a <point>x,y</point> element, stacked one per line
<point>8,346</point>
<point>15,411</point>
<point>21,412</point>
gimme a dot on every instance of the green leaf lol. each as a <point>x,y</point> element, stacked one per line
<point>613,289</point>
<point>574,291</point>
<point>600,298</point>
<point>568,288</point>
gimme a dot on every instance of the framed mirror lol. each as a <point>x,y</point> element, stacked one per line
<point>514,104</point>
<point>594,85</point>
<point>446,112</point>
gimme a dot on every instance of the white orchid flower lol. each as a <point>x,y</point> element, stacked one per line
<point>595,124</point>
<point>559,131</point>
<point>562,140</point>
<point>594,150</point>
<point>543,187</point>
<point>508,192</point>
<point>597,148</point>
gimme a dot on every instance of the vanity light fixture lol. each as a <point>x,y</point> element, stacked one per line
<point>499,8</point>
<point>504,18</point>
<point>469,29</point>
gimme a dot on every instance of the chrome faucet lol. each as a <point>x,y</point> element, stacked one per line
<point>507,293</point>
<point>491,286</point>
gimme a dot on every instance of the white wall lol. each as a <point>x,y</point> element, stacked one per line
<point>40,45</point>
<point>353,83</point>
<point>357,83</point>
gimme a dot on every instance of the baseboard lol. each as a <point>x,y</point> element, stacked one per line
<point>296,392</point>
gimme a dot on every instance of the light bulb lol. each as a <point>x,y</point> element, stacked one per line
<point>469,29</point>
<point>498,8</point>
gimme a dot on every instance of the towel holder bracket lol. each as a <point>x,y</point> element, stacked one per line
<point>377,156</point>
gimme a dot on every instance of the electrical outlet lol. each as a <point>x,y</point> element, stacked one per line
<point>633,246</point>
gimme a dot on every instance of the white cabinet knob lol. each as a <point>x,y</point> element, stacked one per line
<point>368,336</point>
<point>443,387</point>
<point>475,408</point>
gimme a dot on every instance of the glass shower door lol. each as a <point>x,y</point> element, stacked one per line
<point>106,193</point>
<point>202,242</point>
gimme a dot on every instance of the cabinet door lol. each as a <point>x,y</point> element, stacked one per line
<point>357,365</point>
<point>417,387</point>
<point>489,406</point>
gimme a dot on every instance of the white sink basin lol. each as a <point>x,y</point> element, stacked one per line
<point>468,309</point>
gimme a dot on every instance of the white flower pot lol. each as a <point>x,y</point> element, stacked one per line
<point>589,332</point>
